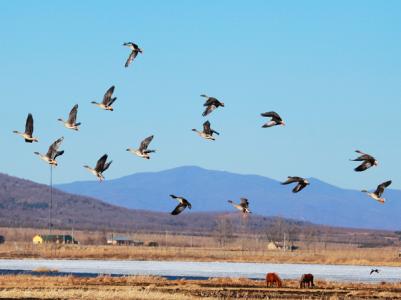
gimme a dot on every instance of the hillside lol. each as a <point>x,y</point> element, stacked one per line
<point>208,190</point>
<point>24,203</point>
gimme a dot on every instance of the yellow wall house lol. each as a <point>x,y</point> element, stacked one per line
<point>53,238</point>
<point>37,239</point>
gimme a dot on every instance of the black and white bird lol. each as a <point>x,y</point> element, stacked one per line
<point>52,153</point>
<point>377,194</point>
<point>27,135</point>
<point>374,271</point>
<point>135,50</point>
<point>207,132</point>
<point>101,166</point>
<point>143,148</point>
<point>184,203</point>
<point>71,123</point>
<point>302,183</point>
<point>107,100</point>
<point>243,206</point>
<point>275,119</point>
<point>367,161</point>
<point>211,104</point>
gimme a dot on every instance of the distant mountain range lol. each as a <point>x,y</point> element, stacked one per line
<point>24,203</point>
<point>209,191</point>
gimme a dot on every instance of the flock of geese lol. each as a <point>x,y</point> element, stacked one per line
<point>211,104</point>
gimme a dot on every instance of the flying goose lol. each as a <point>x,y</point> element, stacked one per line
<point>211,104</point>
<point>143,148</point>
<point>367,161</point>
<point>374,271</point>
<point>72,118</point>
<point>107,100</point>
<point>243,206</point>
<point>207,132</point>
<point>302,182</point>
<point>377,195</point>
<point>135,50</point>
<point>184,203</point>
<point>275,119</point>
<point>27,135</point>
<point>52,153</point>
<point>101,166</point>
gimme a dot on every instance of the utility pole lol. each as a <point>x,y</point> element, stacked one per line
<point>284,242</point>
<point>51,200</point>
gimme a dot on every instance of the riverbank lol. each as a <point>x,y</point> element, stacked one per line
<point>153,287</point>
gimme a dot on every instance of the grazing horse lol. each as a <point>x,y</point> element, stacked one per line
<point>273,279</point>
<point>306,281</point>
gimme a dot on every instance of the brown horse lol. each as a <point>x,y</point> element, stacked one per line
<point>272,279</point>
<point>306,281</point>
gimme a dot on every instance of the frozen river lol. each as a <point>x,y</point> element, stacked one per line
<point>206,269</point>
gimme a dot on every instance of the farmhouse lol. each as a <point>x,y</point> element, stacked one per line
<point>280,246</point>
<point>123,240</point>
<point>54,238</point>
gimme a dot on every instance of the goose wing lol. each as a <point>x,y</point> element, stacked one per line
<point>112,100</point>
<point>188,203</point>
<point>52,153</point>
<point>363,156</point>
<point>206,128</point>
<point>179,208</point>
<point>107,95</point>
<point>145,143</point>
<point>101,163</point>
<point>107,165</point>
<point>58,153</point>
<point>364,166</point>
<point>244,203</point>
<point>73,115</point>
<point>299,187</point>
<point>292,179</point>
<point>29,125</point>
<point>272,114</point>
<point>208,110</point>
<point>131,57</point>
<point>380,188</point>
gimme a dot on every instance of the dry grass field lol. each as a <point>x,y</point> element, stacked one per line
<point>192,248</point>
<point>150,287</point>
<point>372,257</point>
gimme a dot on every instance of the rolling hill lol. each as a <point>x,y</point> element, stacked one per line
<point>208,190</point>
<point>24,203</point>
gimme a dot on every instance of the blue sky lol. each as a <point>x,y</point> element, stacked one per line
<point>331,69</point>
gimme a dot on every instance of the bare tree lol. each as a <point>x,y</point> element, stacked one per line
<point>224,231</point>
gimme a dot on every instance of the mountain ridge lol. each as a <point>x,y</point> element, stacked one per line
<point>209,190</point>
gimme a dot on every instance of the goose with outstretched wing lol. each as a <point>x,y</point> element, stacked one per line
<point>183,204</point>
<point>27,134</point>
<point>108,100</point>
<point>367,161</point>
<point>211,104</point>
<point>207,132</point>
<point>143,151</point>
<point>101,166</point>
<point>275,119</point>
<point>71,123</point>
<point>134,52</point>
<point>52,153</point>
<point>243,206</point>
<point>301,183</point>
<point>377,194</point>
